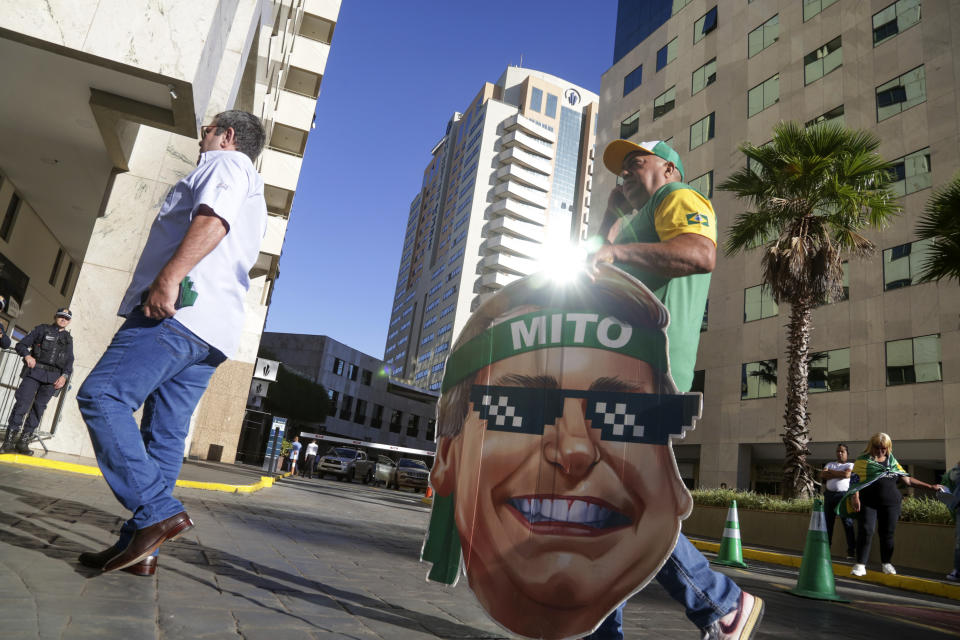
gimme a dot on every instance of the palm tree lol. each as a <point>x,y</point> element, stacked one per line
<point>812,192</point>
<point>941,223</point>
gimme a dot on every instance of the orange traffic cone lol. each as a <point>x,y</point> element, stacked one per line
<point>428,496</point>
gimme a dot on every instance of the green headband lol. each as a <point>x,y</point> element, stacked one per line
<point>549,328</point>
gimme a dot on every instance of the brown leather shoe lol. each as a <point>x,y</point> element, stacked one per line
<point>146,567</point>
<point>147,540</point>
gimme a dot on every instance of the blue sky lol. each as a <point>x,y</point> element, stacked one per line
<point>397,71</point>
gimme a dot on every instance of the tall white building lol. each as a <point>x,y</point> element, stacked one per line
<point>509,181</point>
<point>101,109</point>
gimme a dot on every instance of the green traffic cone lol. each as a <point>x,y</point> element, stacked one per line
<point>731,553</point>
<point>816,569</point>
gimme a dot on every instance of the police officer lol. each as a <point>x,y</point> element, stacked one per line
<point>47,354</point>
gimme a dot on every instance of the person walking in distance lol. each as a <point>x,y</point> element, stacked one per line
<point>47,353</point>
<point>310,460</point>
<point>295,447</point>
<point>183,314</point>
<point>836,476</point>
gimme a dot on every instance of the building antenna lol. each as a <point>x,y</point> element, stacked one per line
<point>521,61</point>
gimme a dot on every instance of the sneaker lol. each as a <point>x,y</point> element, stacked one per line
<point>746,619</point>
<point>859,570</point>
<point>888,569</point>
<point>953,576</point>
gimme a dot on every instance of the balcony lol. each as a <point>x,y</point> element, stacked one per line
<point>294,110</point>
<point>518,210</point>
<point>511,246</point>
<point>309,55</point>
<point>525,177</point>
<point>525,159</point>
<point>527,143</point>
<point>496,280</point>
<point>522,193</point>
<point>504,263</point>
<point>273,239</point>
<point>328,9</point>
<point>280,169</point>
<point>515,228</point>
<point>525,124</point>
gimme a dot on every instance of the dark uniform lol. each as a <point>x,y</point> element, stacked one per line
<point>53,350</point>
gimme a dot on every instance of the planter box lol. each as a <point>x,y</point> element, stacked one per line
<point>926,547</point>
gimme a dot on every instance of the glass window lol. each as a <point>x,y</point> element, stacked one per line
<point>822,61</point>
<point>704,25</point>
<point>346,408</point>
<point>360,415</point>
<point>703,184</point>
<point>898,17</point>
<point>366,377</point>
<point>395,417</point>
<point>376,421</point>
<point>431,430</point>
<point>56,267</point>
<point>813,7</point>
<point>902,264</point>
<point>663,103</point>
<point>835,114</point>
<point>536,99</point>
<point>701,131</point>
<point>667,54</point>
<point>913,360</point>
<point>338,366</point>
<point>764,95</point>
<point>758,379</point>
<point>763,36</point>
<point>551,111</point>
<point>911,173</point>
<point>13,208</point>
<point>352,371</point>
<point>704,76</point>
<point>679,4</point>
<point>901,93</point>
<point>758,303</point>
<point>413,425</point>
<point>630,126</point>
<point>829,371</point>
<point>632,80</point>
<point>67,278</point>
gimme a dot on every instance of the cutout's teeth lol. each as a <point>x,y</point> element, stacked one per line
<point>578,511</point>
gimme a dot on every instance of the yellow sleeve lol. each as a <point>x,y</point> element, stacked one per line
<point>685,211</point>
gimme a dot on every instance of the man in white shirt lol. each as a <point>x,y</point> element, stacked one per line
<point>310,460</point>
<point>836,476</point>
<point>184,315</point>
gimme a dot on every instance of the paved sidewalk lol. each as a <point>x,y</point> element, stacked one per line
<point>298,560</point>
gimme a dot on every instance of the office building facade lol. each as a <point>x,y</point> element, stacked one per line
<point>106,101</point>
<point>709,75</point>
<point>365,404</point>
<point>508,183</point>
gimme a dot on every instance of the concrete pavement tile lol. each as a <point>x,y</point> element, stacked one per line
<point>272,618</point>
<point>190,622</point>
<point>98,628</point>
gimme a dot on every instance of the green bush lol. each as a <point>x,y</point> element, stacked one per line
<point>914,509</point>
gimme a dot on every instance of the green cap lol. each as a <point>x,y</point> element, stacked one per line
<point>618,150</point>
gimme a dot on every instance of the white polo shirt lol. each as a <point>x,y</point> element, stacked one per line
<point>839,484</point>
<point>227,182</point>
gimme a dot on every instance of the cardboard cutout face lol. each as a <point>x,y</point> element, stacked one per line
<point>563,491</point>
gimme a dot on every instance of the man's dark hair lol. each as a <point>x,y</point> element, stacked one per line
<point>250,136</point>
<point>843,446</point>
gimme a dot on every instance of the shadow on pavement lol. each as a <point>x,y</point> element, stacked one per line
<point>35,532</point>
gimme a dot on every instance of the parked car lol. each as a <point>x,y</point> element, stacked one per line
<point>346,464</point>
<point>410,473</point>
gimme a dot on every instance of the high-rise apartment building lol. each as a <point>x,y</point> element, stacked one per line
<point>709,75</point>
<point>509,181</point>
<point>104,101</point>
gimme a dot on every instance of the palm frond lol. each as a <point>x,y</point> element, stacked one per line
<point>941,223</point>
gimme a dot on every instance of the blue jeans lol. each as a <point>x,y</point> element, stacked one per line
<point>707,595</point>
<point>163,367</point>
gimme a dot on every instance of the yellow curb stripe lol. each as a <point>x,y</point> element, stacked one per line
<point>907,583</point>
<point>89,470</point>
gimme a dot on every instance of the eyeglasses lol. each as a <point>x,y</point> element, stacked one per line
<point>204,130</point>
<point>645,418</point>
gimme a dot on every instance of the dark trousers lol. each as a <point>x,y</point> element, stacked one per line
<point>831,499</point>
<point>308,464</point>
<point>886,517</point>
<point>31,395</point>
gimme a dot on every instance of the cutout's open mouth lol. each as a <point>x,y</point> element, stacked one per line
<point>590,515</point>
